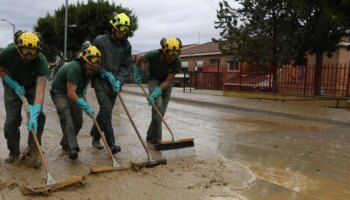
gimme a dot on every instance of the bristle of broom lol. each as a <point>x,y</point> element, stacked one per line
<point>176,149</point>
<point>178,153</point>
<point>148,164</point>
<point>171,145</point>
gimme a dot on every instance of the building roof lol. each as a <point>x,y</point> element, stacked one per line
<point>209,48</point>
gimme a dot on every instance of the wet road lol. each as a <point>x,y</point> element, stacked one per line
<point>291,159</point>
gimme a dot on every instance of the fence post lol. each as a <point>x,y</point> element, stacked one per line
<point>305,78</point>
<point>347,87</point>
<point>240,75</point>
<point>184,82</point>
<point>222,78</point>
<point>218,77</point>
<point>190,77</point>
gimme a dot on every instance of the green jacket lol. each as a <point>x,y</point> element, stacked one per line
<point>116,57</point>
<point>25,73</point>
<point>74,73</point>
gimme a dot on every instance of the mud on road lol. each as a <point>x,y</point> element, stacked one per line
<point>190,177</point>
<point>237,155</point>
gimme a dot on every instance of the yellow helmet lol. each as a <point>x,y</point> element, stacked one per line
<point>171,46</point>
<point>91,55</point>
<point>28,44</point>
<point>30,40</point>
<point>121,22</point>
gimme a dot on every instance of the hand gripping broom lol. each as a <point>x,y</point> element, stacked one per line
<point>150,162</point>
<point>115,166</point>
<point>173,143</point>
<point>51,185</point>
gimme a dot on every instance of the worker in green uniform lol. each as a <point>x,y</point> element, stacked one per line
<point>68,92</point>
<point>24,70</point>
<point>115,63</point>
<point>163,65</point>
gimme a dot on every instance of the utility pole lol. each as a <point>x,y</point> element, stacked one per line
<point>199,37</point>
<point>65,31</point>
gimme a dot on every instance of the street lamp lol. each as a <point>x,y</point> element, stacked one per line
<point>66,30</point>
<point>13,26</point>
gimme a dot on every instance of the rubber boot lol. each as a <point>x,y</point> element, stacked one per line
<point>12,158</point>
<point>73,154</point>
<point>13,146</point>
<point>97,144</point>
<point>116,149</point>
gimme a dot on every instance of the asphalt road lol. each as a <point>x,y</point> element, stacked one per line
<point>290,159</point>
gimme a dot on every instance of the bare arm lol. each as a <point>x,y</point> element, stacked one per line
<point>71,91</point>
<point>167,81</point>
<point>40,90</point>
<point>139,60</point>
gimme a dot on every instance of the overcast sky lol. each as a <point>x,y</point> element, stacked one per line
<point>190,20</point>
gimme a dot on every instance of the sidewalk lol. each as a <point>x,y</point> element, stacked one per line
<point>215,99</point>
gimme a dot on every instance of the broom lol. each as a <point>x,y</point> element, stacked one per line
<point>51,185</point>
<point>150,162</point>
<point>115,166</point>
<point>170,144</point>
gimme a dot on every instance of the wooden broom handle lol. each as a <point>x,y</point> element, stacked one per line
<point>134,125</point>
<point>36,141</point>
<point>160,114</point>
<point>102,136</point>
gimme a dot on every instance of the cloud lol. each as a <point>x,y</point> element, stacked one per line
<point>190,20</point>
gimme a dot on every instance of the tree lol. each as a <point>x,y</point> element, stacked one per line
<point>322,25</point>
<point>257,32</point>
<point>92,19</point>
<point>280,32</point>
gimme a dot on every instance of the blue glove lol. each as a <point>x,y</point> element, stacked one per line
<point>85,106</point>
<point>34,111</point>
<point>108,76</point>
<point>155,93</point>
<point>117,86</point>
<point>19,90</point>
<point>137,75</point>
<point>115,83</point>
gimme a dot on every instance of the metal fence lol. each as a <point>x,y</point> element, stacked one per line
<point>299,80</point>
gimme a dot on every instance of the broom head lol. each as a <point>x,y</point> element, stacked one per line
<point>109,168</point>
<point>148,164</point>
<point>46,189</point>
<point>174,144</point>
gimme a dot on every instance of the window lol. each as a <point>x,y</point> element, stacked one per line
<point>215,61</point>
<point>233,65</point>
<point>198,65</point>
<point>184,64</point>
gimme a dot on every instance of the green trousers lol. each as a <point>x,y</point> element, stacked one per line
<point>13,106</point>
<point>154,133</point>
<point>71,119</point>
<point>106,99</point>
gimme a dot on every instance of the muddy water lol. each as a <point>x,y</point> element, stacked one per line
<point>292,159</point>
<point>237,156</point>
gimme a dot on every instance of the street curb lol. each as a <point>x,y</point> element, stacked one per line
<point>246,109</point>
